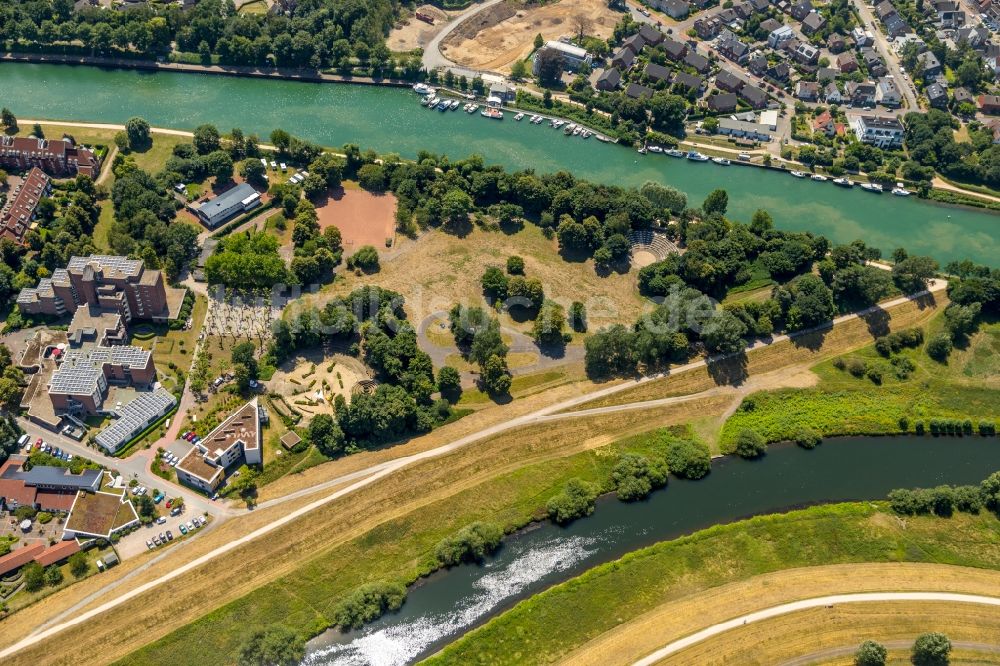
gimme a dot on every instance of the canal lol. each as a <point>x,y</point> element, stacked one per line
<point>391,121</point>
<point>449,603</point>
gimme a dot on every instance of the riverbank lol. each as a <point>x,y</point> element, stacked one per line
<point>274,73</point>
<point>688,582</point>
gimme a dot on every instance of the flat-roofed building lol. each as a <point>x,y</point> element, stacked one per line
<point>80,383</point>
<point>227,205</point>
<point>100,327</point>
<point>99,514</point>
<point>56,157</point>
<point>42,487</point>
<point>573,57</point>
<point>880,131</point>
<point>134,417</point>
<point>18,213</point>
<point>744,129</point>
<point>236,438</point>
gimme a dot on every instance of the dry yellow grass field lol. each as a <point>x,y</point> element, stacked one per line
<point>779,639</point>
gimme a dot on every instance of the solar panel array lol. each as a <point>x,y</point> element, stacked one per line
<point>135,417</point>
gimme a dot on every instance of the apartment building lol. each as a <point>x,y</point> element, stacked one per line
<point>880,131</point>
<point>80,383</point>
<point>236,438</point>
<point>57,157</point>
<point>18,213</point>
<point>109,283</point>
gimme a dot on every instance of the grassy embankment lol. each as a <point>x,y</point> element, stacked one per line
<point>965,387</point>
<point>553,624</point>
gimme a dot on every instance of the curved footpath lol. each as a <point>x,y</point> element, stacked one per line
<point>817,602</point>
<point>373,473</point>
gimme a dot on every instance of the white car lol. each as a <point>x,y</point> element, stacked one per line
<point>161,520</point>
<point>190,526</point>
<point>274,165</point>
<point>149,544</point>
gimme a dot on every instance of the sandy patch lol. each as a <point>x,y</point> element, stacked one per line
<point>411,33</point>
<point>311,382</point>
<point>643,258</point>
<point>363,218</point>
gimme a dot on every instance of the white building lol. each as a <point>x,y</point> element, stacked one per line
<point>572,56</point>
<point>880,131</point>
<point>779,36</point>
<point>769,119</point>
<point>204,467</point>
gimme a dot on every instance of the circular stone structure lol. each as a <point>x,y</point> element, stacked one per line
<point>643,258</point>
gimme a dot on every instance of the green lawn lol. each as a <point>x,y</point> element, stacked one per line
<point>551,624</point>
<point>966,387</point>
<point>103,226</point>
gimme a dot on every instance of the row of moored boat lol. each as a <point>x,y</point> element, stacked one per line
<point>876,188</point>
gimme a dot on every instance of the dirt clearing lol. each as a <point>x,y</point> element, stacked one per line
<point>500,35</point>
<point>411,33</point>
<point>362,217</point>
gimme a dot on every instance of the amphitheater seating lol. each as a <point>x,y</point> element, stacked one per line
<point>650,241</point>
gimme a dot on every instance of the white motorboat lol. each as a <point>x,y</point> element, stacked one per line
<point>872,187</point>
<point>655,149</point>
<point>818,178</point>
<point>695,156</point>
<point>799,174</point>
<point>455,104</point>
<point>721,161</point>
<point>673,152</point>
<point>843,182</point>
<point>474,108</point>
<point>901,191</point>
<point>422,89</point>
<point>577,130</point>
<point>519,117</point>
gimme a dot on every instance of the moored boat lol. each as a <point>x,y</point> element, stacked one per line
<point>475,107</point>
<point>455,104</point>
<point>641,150</point>
<point>695,156</point>
<point>569,129</point>
<point>818,178</point>
<point>872,187</point>
<point>586,134</point>
<point>673,152</point>
<point>519,117</point>
<point>843,182</point>
<point>422,89</point>
<point>901,191</point>
<point>577,130</point>
<point>798,174</point>
<point>492,113</point>
<point>721,161</point>
<point>655,149</point>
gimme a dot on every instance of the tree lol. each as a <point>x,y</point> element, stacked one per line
<point>961,320</point>
<point>7,119</point>
<point>275,646</point>
<point>37,131</point>
<point>578,317</point>
<point>314,186</point>
<point>34,576</point>
<point>449,382</point>
<point>668,111</point>
<point>664,197</point>
<point>326,434</point>
<point>79,565</point>
<point>372,177</point>
<point>548,66</point>
<point>253,172</point>
<point>539,43</point>
<point>243,356</point>
<point>518,70</point>
<point>138,133</point>
<point>455,208</point>
<point>717,201</point>
<point>549,324</point>
<point>146,508</point>
<point>515,265</point>
<point>635,476</point>
<point>750,444</point>
<point>939,347</point>
<point>688,459</point>
<point>495,375</point>
<point>724,332</point>
<point>206,139</point>
<point>494,283</point>
<point>931,649</point>
<point>911,274</point>
<point>870,653</point>
<point>53,575</point>
<point>575,501</point>
<point>365,259</point>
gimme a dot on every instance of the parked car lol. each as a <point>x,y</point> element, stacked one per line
<point>176,511</point>
<point>161,520</point>
<point>170,535</point>
<point>149,544</point>
<point>183,529</point>
<point>169,503</point>
<point>190,526</point>
<point>57,452</point>
<point>38,443</point>
<point>156,540</point>
<point>69,458</point>
<point>163,539</point>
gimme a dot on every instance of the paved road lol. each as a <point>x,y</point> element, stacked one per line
<point>806,604</point>
<point>373,473</point>
<point>433,57</point>
<point>891,61</point>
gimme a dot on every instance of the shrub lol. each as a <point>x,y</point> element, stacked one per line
<point>857,367</point>
<point>688,459</point>
<point>870,653</point>
<point>987,428</point>
<point>919,427</point>
<point>515,265</point>
<point>939,347</point>
<point>931,649</point>
<point>750,444</point>
<point>874,373</point>
<point>470,544</point>
<point>365,259</point>
<point>44,517</point>
<point>635,476</point>
<point>575,501</point>
<point>903,366</point>
<point>276,646</point>
<point>839,363</point>
<point>368,602</point>
<point>807,437</point>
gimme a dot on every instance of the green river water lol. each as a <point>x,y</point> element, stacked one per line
<point>391,120</point>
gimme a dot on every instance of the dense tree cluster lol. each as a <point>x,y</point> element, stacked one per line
<point>247,260</point>
<point>635,476</point>
<point>319,33</point>
<point>930,140</point>
<point>276,645</point>
<point>945,500</point>
<point>576,500</point>
<point>368,602</point>
<point>478,337</point>
<point>472,543</point>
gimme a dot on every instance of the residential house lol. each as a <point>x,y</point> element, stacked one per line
<point>937,96</point>
<point>56,157</point>
<point>651,35</point>
<point>805,53</point>
<point>801,9</point>
<point>675,50</point>
<point>734,50</point>
<point>657,73</point>
<point>753,96</point>
<point>887,93</point>
<point>929,64</point>
<point>779,36</point>
<point>697,62</point>
<point>757,65</point>
<point>862,37</point>
<point>769,25</point>
<point>884,9</point>
<point>832,94</point>
<point>976,37</point>
<point>895,26</point>
<point>689,82</point>
<point>825,123</point>
<point>870,57</point>
<point>634,43</point>
<point>506,93</point>
<point>827,74</point>
<point>949,14</point>
<point>860,93</point>
<point>879,131</point>
<point>759,5</point>
<point>623,59</point>
<point>609,80</point>
<point>836,43</point>
<point>962,95</point>
<point>18,213</point>
<point>807,91</point>
<point>707,28</point>
<point>722,103</point>
<point>744,129</point>
<point>780,73</point>
<point>636,91</point>
<point>847,62</point>
<point>572,57</point>
<point>813,23</point>
<point>676,9</point>
<point>235,439</point>
<point>726,80</point>
<point>744,10</point>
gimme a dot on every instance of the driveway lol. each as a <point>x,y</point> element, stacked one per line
<point>433,58</point>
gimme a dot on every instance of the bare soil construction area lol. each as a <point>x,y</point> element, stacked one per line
<point>496,37</point>
<point>362,217</point>
<point>412,33</point>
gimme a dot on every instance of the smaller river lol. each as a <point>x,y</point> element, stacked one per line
<point>448,604</point>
